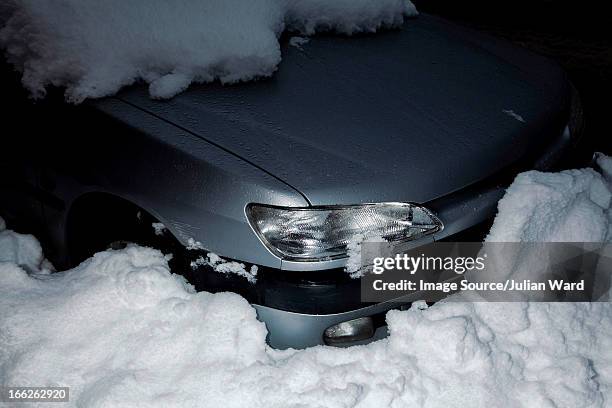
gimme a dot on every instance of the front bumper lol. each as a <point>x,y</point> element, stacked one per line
<point>298,306</point>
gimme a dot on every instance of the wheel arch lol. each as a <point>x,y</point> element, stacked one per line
<point>97,208</point>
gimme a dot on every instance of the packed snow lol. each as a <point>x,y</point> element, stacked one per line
<point>94,48</point>
<point>122,330</point>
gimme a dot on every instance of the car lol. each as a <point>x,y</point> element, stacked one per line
<point>411,133</point>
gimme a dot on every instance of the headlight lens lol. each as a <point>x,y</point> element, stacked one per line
<point>322,233</point>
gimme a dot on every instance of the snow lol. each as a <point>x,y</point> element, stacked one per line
<point>159,228</point>
<point>94,48</point>
<point>604,163</point>
<point>122,330</point>
<point>298,42</point>
<point>193,245</point>
<point>355,253</point>
<point>22,250</point>
<point>570,206</point>
<point>221,265</point>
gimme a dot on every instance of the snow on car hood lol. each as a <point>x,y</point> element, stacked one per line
<point>404,115</point>
<point>94,48</point>
<point>122,330</point>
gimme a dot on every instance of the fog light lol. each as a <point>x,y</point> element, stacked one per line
<point>346,332</point>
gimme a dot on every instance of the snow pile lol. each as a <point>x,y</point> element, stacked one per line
<point>121,330</point>
<point>94,48</point>
<point>22,250</point>
<point>570,206</point>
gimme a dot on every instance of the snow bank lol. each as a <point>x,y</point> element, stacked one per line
<point>22,250</point>
<point>122,330</point>
<point>94,48</point>
<point>570,206</point>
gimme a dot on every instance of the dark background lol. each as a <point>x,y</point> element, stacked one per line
<point>576,34</point>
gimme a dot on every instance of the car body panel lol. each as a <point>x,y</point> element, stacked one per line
<point>409,115</point>
<point>196,189</point>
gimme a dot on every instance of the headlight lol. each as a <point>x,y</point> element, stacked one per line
<point>322,233</point>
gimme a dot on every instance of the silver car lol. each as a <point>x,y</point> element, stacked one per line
<point>411,134</point>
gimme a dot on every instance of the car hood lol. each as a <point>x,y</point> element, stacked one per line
<point>405,115</point>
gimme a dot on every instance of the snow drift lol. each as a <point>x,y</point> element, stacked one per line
<point>570,206</point>
<point>23,250</point>
<point>122,330</point>
<point>93,48</point>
